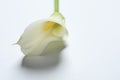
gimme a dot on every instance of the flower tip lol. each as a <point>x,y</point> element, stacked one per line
<point>15,44</point>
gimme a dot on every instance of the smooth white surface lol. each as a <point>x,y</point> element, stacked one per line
<point>93,51</point>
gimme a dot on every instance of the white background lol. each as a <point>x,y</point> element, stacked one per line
<point>93,51</point>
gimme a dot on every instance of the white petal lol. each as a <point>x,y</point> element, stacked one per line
<point>35,39</point>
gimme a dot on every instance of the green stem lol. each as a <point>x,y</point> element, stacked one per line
<point>56,5</point>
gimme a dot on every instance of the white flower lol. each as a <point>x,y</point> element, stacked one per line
<point>40,34</point>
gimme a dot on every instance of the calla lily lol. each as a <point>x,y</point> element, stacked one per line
<point>42,33</point>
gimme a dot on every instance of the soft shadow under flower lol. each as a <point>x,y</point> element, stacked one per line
<point>51,57</point>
